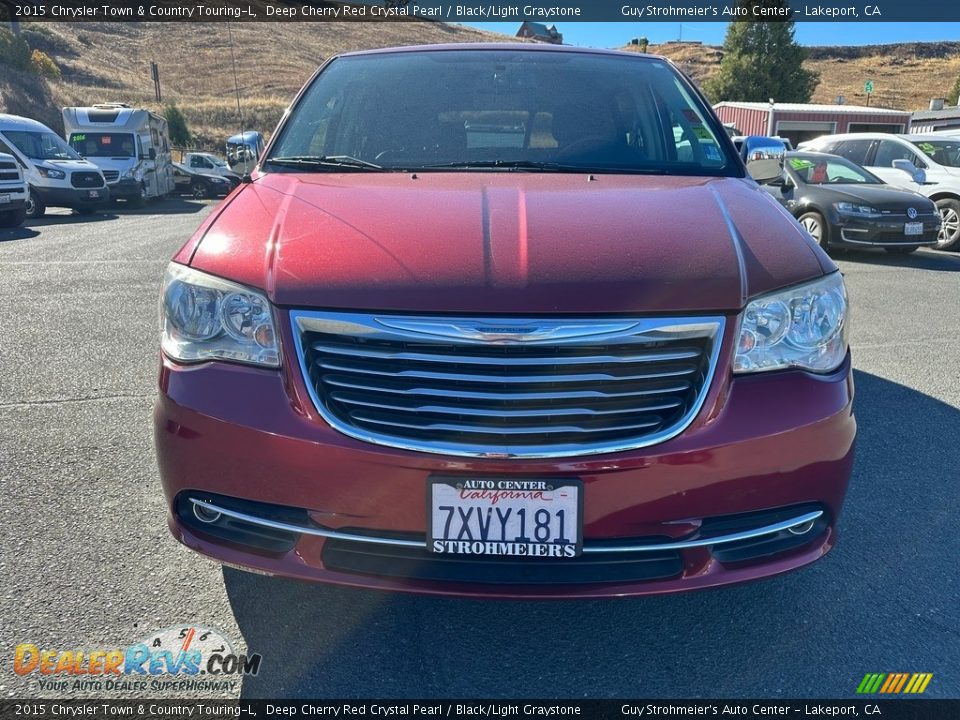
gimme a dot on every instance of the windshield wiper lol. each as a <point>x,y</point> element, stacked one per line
<point>537,166</point>
<point>324,161</point>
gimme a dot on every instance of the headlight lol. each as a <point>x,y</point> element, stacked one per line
<point>801,327</point>
<point>127,174</point>
<point>51,173</point>
<point>203,317</point>
<point>845,208</point>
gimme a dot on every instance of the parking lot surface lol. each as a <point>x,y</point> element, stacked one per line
<point>88,562</point>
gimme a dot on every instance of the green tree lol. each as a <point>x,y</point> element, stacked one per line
<point>14,51</point>
<point>177,126</point>
<point>761,60</point>
<point>954,97</point>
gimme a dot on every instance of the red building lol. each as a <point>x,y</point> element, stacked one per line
<point>801,121</point>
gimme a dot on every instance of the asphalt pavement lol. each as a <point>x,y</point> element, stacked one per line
<point>87,561</point>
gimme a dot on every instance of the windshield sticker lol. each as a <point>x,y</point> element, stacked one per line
<point>702,133</point>
<point>712,152</point>
<point>77,137</point>
<point>800,164</point>
<point>926,147</point>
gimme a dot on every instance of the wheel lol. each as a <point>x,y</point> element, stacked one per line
<point>12,218</point>
<point>34,207</point>
<point>902,249</point>
<point>813,223</point>
<point>949,236</point>
<point>200,190</point>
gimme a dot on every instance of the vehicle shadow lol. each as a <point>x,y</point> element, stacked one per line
<point>19,233</point>
<point>884,598</point>
<point>171,205</point>
<point>67,218</point>
<point>921,259</point>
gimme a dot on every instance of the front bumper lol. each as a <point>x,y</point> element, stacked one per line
<point>125,189</point>
<point>884,232</point>
<point>74,198</point>
<point>778,444</point>
<point>16,199</point>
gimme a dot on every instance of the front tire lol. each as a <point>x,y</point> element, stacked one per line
<point>34,207</point>
<point>949,236</point>
<point>814,224</point>
<point>200,191</point>
<point>12,218</point>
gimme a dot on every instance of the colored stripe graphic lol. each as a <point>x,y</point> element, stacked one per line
<point>893,683</point>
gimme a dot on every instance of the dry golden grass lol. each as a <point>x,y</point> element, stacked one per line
<point>905,77</point>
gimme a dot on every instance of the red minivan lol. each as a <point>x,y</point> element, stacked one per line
<point>505,321</point>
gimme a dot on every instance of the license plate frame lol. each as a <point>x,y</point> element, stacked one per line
<point>913,228</point>
<point>5,199</point>
<point>94,194</point>
<point>501,538</point>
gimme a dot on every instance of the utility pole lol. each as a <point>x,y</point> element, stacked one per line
<point>155,72</point>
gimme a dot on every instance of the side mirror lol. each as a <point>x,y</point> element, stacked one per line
<point>916,174</point>
<point>152,153</point>
<point>764,158</point>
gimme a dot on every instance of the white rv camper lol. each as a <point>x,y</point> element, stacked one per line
<point>130,145</point>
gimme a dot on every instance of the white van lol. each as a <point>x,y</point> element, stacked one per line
<point>130,145</point>
<point>56,175</point>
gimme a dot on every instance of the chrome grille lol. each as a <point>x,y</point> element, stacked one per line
<point>530,387</point>
<point>111,175</point>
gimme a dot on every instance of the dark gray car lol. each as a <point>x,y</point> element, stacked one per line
<point>841,204</point>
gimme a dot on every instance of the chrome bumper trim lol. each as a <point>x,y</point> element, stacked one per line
<point>587,548</point>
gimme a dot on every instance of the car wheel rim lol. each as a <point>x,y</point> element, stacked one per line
<point>811,226</point>
<point>949,226</point>
<point>31,205</point>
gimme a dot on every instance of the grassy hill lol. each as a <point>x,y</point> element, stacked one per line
<point>103,62</point>
<point>905,76</point>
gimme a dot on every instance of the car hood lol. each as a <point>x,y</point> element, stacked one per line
<point>506,242</point>
<point>882,197</point>
<point>68,164</point>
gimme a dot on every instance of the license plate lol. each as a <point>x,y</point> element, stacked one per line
<point>94,193</point>
<point>4,199</point>
<point>913,228</point>
<point>505,516</point>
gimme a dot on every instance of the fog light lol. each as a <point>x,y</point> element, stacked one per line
<point>801,529</point>
<point>204,514</point>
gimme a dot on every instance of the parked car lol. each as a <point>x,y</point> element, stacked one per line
<point>841,204</point>
<point>927,164</point>
<point>56,175</point>
<point>13,193</point>
<point>199,184</point>
<point>738,141</point>
<point>210,164</point>
<point>438,355</point>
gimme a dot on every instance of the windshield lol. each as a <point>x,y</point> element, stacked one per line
<point>505,110</point>
<point>943,152</point>
<point>103,144</point>
<point>819,170</point>
<point>41,145</point>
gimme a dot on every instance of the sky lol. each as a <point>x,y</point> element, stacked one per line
<point>617,34</point>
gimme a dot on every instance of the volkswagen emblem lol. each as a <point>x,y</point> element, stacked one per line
<point>912,213</point>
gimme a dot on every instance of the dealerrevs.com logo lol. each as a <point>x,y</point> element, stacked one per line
<point>178,658</point>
